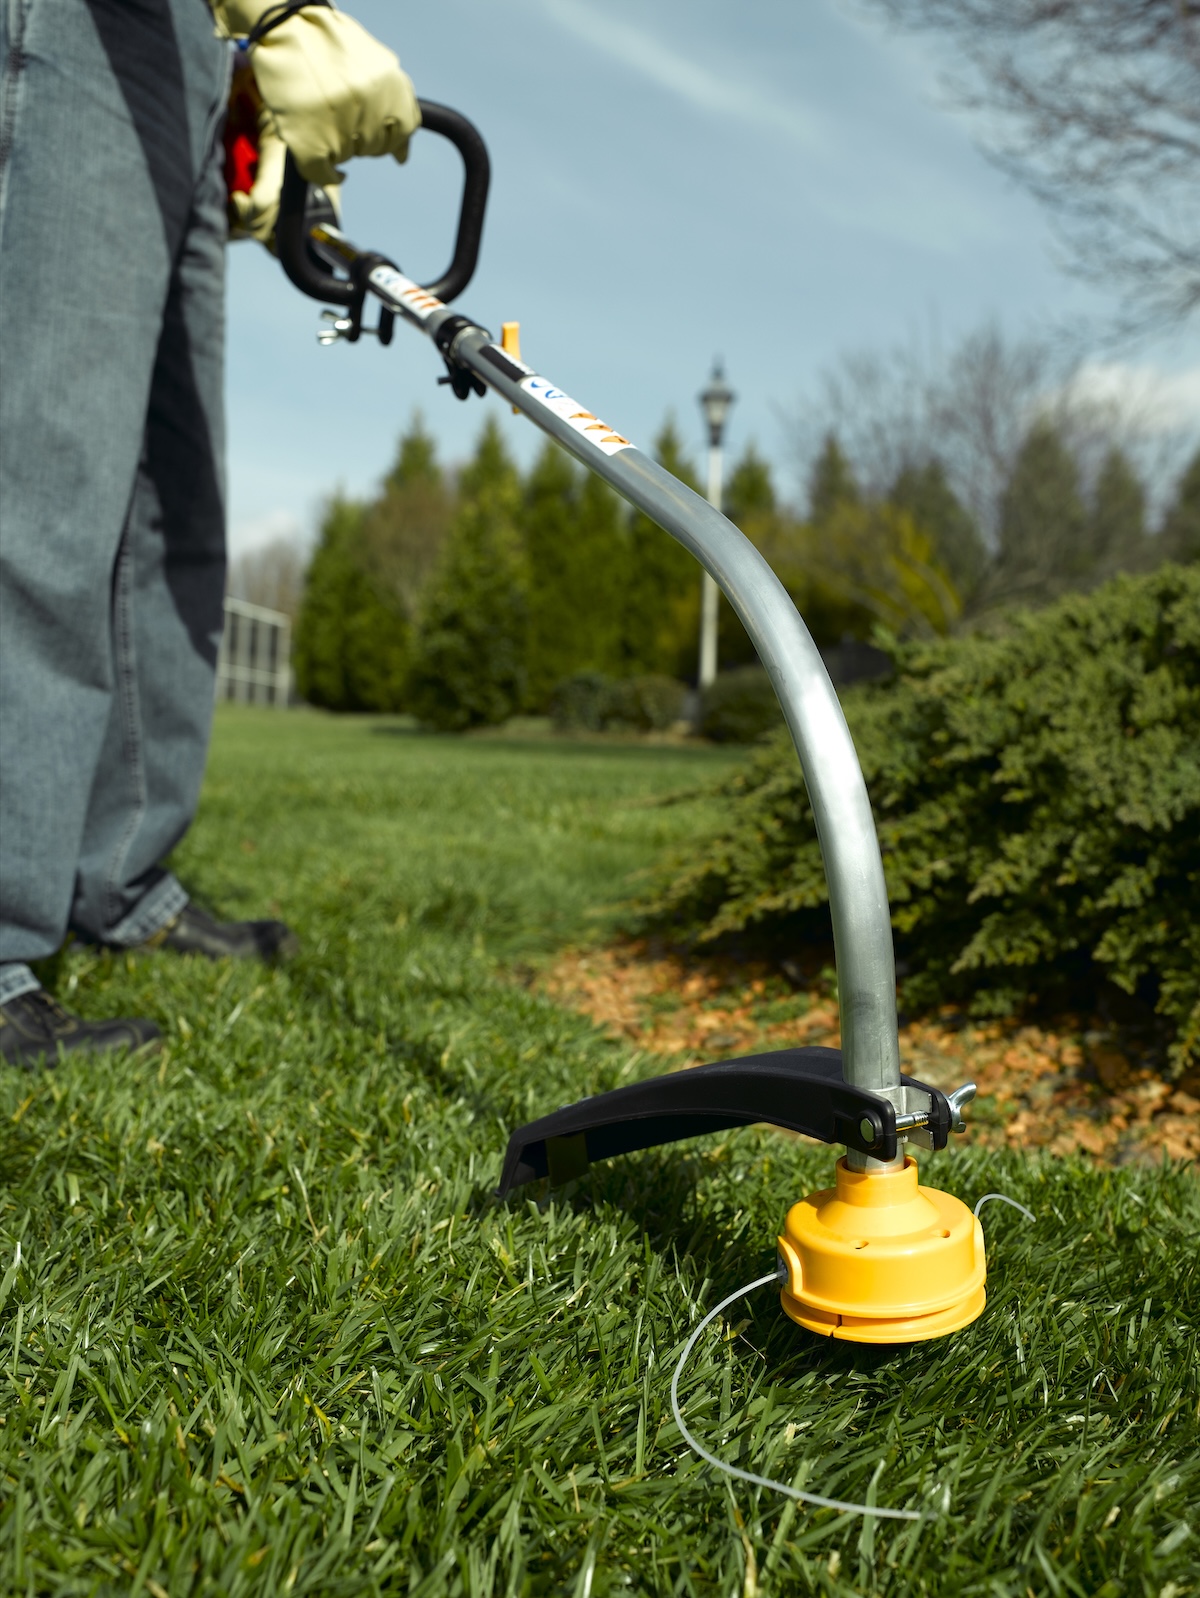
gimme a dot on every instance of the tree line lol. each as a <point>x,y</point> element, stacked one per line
<point>916,561</point>
<point>467,597</point>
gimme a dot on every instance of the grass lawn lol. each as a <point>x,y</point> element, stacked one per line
<point>264,1328</point>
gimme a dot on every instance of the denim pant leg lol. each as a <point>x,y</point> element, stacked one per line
<point>111,282</point>
<point>168,608</point>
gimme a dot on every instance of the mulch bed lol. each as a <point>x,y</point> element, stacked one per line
<point>1073,1087</point>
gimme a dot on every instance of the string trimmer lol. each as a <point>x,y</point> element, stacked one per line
<point>878,1257</point>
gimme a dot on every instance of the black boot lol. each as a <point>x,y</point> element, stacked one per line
<point>36,1030</point>
<point>195,932</point>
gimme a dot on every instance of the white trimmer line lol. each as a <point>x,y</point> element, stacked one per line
<point>816,1499</point>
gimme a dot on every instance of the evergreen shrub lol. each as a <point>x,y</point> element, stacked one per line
<point>577,704</point>
<point>740,707</point>
<point>1037,793</point>
<point>650,702</point>
<point>590,701</point>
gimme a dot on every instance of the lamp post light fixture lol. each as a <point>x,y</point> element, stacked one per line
<point>715,401</point>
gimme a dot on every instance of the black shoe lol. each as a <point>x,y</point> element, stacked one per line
<point>35,1029</point>
<point>194,932</point>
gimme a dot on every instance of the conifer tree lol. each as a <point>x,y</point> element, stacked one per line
<point>750,493</point>
<point>831,482</point>
<point>575,546</point>
<point>318,642</point>
<point>549,503</point>
<point>749,503</point>
<point>472,637</point>
<point>1044,544</point>
<point>405,529</point>
<point>812,558</point>
<point>1118,520</point>
<point>925,493</point>
<point>416,457</point>
<point>661,620</point>
<point>351,649</point>
<point>1181,530</point>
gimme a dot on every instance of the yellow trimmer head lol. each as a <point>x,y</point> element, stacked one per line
<point>876,1258</point>
<point>880,1259</point>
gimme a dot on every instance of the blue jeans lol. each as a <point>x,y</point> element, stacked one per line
<point>112,524</point>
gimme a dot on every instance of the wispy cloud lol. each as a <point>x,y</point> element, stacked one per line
<point>1162,401</point>
<point>721,93</point>
<point>906,202</point>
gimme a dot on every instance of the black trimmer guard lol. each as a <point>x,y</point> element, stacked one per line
<point>801,1090</point>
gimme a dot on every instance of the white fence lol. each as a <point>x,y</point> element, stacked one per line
<point>254,666</point>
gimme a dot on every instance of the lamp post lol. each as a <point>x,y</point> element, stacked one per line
<point>715,402</point>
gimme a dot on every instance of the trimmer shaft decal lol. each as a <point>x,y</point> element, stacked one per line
<point>572,412</point>
<point>512,368</point>
<point>411,297</point>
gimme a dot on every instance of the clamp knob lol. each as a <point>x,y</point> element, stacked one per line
<point>957,1100</point>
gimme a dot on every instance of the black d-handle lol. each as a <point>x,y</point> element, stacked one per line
<point>309,273</point>
<point>477,175</point>
<point>299,208</point>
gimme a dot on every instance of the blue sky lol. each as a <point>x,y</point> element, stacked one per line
<point>775,182</point>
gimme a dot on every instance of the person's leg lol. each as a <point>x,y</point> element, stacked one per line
<point>167,599</point>
<point>168,614</point>
<point>98,178</point>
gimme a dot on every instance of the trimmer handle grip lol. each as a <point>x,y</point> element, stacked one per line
<point>477,176</point>
<point>309,273</point>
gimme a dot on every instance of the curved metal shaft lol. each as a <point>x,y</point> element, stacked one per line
<point>862,930</point>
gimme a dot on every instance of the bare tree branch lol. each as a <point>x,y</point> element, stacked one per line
<point>969,405</point>
<point>1093,105</point>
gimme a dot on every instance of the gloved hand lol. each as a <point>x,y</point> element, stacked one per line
<point>330,91</point>
<point>254,211</point>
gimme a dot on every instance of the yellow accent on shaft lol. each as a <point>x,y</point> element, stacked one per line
<point>510,343</point>
<point>880,1259</point>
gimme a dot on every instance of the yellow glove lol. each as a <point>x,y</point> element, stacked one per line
<point>253,213</point>
<point>333,90</point>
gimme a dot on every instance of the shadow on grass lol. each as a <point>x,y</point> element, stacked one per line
<point>664,1195</point>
